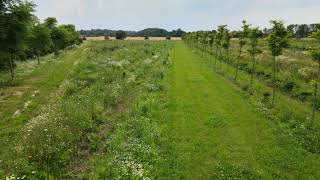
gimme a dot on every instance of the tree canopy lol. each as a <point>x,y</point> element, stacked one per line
<point>278,38</point>
<point>51,22</point>
<point>120,35</point>
<point>40,41</point>
<point>15,19</point>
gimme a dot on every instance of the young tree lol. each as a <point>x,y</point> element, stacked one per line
<point>242,42</point>
<point>40,40</point>
<point>211,43</point>
<point>278,40</point>
<point>16,17</point>
<point>204,42</point>
<point>197,38</point>
<point>226,41</point>
<point>218,42</point>
<point>254,35</point>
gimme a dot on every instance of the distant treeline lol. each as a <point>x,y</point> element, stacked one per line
<point>302,30</point>
<point>151,32</point>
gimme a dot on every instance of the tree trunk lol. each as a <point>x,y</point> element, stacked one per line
<point>11,68</point>
<point>38,59</point>
<point>315,94</point>
<point>220,58</point>
<point>215,61</point>
<point>237,64</point>
<point>240,52</point>
<point>274,81</point>
<point>228,60</point>
<point>211,54</point>
<point>253,71</point>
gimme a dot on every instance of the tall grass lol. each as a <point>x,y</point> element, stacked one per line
<point>67,129</point>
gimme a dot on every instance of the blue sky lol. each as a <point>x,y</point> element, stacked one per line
<point>189,15</point>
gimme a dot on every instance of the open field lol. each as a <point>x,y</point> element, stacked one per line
<point>237,102</point>
<point>101,38</point>
<point>148,109</point>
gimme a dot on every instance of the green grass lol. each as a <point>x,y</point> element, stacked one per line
<point>135,110</point>
<point>35,86</point>
<point>132,147</point>
<point>82,106</point>
<point>243,138</point>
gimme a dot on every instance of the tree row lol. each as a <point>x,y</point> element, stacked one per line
<point>278,39</point>
<point>24,36</point>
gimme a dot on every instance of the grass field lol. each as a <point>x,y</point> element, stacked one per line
<point>148,110</point>
<point>218,134</point>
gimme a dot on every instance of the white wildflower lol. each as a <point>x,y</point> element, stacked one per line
<point>147,61</point>
<point>17,113</point>
<point>35,93</point>
<point>26,105</point>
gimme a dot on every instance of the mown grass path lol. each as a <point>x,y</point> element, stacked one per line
<point>213,127</point>
<point>35,90</point>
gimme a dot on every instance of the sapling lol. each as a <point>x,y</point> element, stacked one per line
<point>206,42</point>
<point>203,43</point>
<point>242,42</point>
<point>254,50</point>
<point>219,38</point>
<point>211,43</point>
<point>198,40</point>
<point>203,40</point>
<point>278,40</point>
<point>195,40</point>
<point>226,42</point>
<point>217,43</point>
